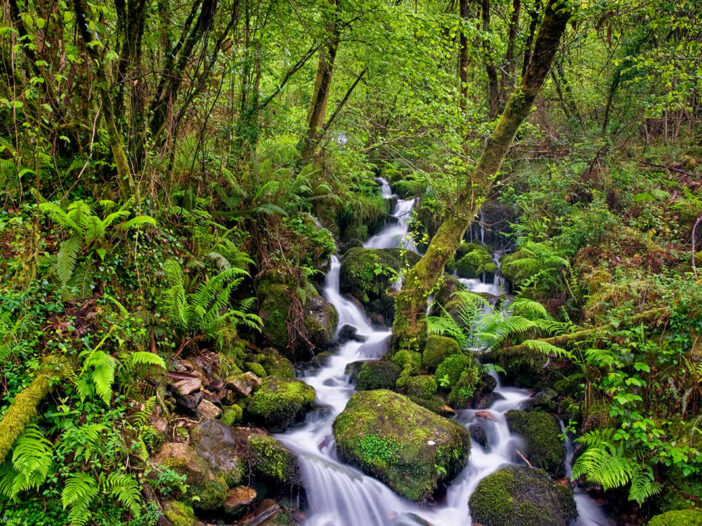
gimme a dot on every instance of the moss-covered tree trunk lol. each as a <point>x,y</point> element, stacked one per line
<point>322,85</point>
<point>411,302</point>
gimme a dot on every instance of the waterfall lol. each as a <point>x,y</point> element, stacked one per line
<point>341,495</point>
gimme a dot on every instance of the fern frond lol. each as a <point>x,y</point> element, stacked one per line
<point>146,358</point>
<point>78,494</point>
<point>31,459</point>
<point>66,258</point>
<point>548,349</point>
<point>138,222</point>
<point>126,490</point>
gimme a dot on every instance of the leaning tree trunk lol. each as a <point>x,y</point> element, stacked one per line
<point>463,58</point>
<point>322,85</point>
<point>411,301</point>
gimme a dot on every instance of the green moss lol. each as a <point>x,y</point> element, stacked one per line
<point>377,374</point>
<point>179,514</point>
<point>411,363</point>
<point>407,189</point>
<point>256,368</point>
<point>449,371</point>
<point>462,392</point>
<point>274,299</point>
<point>232,414</point>
<point>521,496</point>
<point>677,518</point>
<point>280,401</point>
<point>437,349</point>
<point>542,444</point>
<point>475,262</point>
<point>423,386</point>
<point>275,364</point>
<point>272,460</point>
<point>411,449</point>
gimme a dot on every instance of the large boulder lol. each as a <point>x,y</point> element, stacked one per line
<point>677,518</point>
<point>215,442</point>
<point>437,349</point>
<point>542,444</point>
<point>280,402</point>
<point>320,320</point>
<point>272,461</point>
<point>207,489</point>
<point>367,274</point>
<point>521,496</point>
<point>476,261</point>
<point>402,444</point>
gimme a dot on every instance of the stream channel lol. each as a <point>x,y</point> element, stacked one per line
<point>341,495</point>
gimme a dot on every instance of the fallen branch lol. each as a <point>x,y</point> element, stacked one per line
<point>523,457</point>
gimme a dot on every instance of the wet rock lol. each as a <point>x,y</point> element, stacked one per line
<point>207,410</point>
<point>486,400</point>
<point>269,459</point>
<point>238,499</point>
<point>276,364</point>
<point>401,443</point>
<point>215,442</point>
<point>243,384</point>
<point>482,398</point>
<point>188,404</point>
<point>188,386</point>
<point>206,489</point>
<point>478,434</point>
<point>377,374</point>
<point>348,333</point>
<point>352,369</point>
<point>320,321</point>
<point>545,400</point>
<point>280,402</point>
<point>262,512</point>
<point>521,496</point>
<point>542,444</point>
<point>487,415</point>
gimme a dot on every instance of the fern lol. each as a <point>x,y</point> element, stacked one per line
<point>31,462</point>
<point>548,349</point>
<point>66,258</point>
<point>146,358</point>
<point>78,495</point>
<point>126,490</point>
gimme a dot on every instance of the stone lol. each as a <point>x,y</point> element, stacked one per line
<point>243,384</point>
<point>542,444</point>
<point>377,374</point>
<point>178,513</point>
<point>206,488</point>
<point>478,434</point>
<point>188,386</point>
<point>404,445</point>
<point>262,512</point>
<point>677,518</point>
<point>521,496</point>
<point>437,349</point>
<point>207,410</point>
<point>238,499</point>
<point>269,459</point>
<point>280,402</point>
<point>348,333</point>
<point>216,443</point>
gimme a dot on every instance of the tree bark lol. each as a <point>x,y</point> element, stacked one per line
<point>125,180</point>
<point>509,69</point>
<point>493,88</point>
<point>534,16</point>
<point>322,85</point>
<point>410,303</point>
<point>463,57</point>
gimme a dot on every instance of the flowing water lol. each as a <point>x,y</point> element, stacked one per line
<point>340,495</point>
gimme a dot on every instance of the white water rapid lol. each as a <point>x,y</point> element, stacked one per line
<point>340,495</point>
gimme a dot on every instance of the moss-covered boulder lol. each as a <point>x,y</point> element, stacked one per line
<point>422,386</point>
<point>377,374</point>
<point>402,444</point>
<point>542,444</point>
<point>320,320</point>
<point>179,513</point>
<point>207,489</point>
<point>437,349</point>
<point>476,261</point>
<point>677,518</point>
<point>214,441</point>
<point>367,274</point>
<point>276,364</point>
<point>280,402</point>
<point>521,496</point>
<point>273,461</point>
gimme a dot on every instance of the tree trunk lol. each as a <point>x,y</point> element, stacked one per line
<point>509,68</point>
<point>463,57</point>
<point>322,85</point>
<point>411,301</point>
<point>493,88</point>
<point>534,15</point>
<point>124,174</point>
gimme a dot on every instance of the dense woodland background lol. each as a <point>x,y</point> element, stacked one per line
<point>162,168</point>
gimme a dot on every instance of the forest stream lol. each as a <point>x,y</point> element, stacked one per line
<point>340,494</point>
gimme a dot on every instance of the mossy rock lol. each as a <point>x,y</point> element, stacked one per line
<point>256,368</point>
<point>449,371</point>
<point>274,299</point>
<point>276,364</point>
<point>677,518</point>
<point>404,445</point>
<point>231,415</point>
<point>423,386</point>
<point>475,262</point>
<point>462,392</point>
<point>377,374</point>
<point>521,496</point>
<point>542,444</point>
<point>406,189</point>
<point>368,274</point>
<point>437,349</point>
<point>273,461</point>
<point>280,402</point>
<point>213,440</point>
<point>207,490</point>
<point>320,320</point>
<point>179,513</point>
